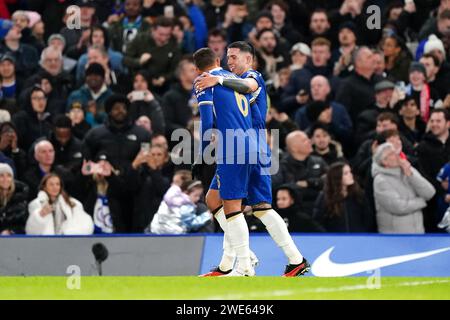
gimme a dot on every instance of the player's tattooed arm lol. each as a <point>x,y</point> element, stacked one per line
<point>240,85</point>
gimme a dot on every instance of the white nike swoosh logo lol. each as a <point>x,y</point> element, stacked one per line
<point>324,267</point>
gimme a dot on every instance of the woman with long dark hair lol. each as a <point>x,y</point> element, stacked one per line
<point>54,212</point>
<point>397,57</point>
<point>340,207</point>
<point>35,120</point>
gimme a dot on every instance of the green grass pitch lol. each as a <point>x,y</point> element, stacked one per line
<point>187,288</point>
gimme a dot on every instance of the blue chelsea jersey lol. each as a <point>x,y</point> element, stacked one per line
<point>260,99</point>
<point>226,109</point>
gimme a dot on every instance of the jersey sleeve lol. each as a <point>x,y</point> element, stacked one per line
<point>251,74</point>
<point>205,106</point>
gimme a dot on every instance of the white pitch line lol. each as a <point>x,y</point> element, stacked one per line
<point>282,293</point>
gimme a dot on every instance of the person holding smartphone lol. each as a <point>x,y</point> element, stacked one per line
<point>144,103</point>
<point>151,162</point>
<point>116,144</point>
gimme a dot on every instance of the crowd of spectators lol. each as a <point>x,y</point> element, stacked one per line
<point>87,113</point>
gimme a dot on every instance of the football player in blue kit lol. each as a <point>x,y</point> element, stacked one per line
<point>240,60</point>
<point>227,111</point>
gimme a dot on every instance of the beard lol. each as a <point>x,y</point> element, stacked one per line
<point>268,50</point>
<point>120,119</point>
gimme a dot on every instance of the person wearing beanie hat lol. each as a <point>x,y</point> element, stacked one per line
<point>92,95</point>
<point>426,97</point>
<point>419,67</point>
<point>5,25</point>
<point>6,168</point>
<point>300,52</point>
<point>341,57</point>
<point>13,202</point>
<point>10,87</point>
<point>400,192</point>
<point>67,150</point>
<point>264,17</point>
<point>95,68</point>
<point>26,56</point>
<point>20,19</point>
<point>79,124</point>
<point>436,46</point>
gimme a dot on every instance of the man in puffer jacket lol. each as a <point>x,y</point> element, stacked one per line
<point>400,192</point>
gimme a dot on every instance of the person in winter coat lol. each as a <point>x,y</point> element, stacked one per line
<point>54,212</point>
<point>326,148</point>
<point>433,153</point>
<point>341,206</point>
<point>117,143</point>
<point>179,104</point>
<point>13,202</point>
<point>400,192</point>
<point>92,94</point>
<point>177,212</point>
<point>33,122</point>
<point>58,83</point>
<point>79,124</point>
<point>397,57</point>
<point>154,183</point>
<point>301,170</point>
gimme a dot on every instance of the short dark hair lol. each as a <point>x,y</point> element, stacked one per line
<point>62,121</point>
<point>444,111</point>
<point>162,21</point>
<point>435,59</point>
<point>289,189</point>
<point>237,2</point>
<point>283,5</point>
<point>385,135</point>
<point>204,58</point>
<point>116,98</point>
<point>316,126</point>
<point>387,116</point>
<point>37,88</point>
<point>183,62</point>
<point>318,10</point>
<point>243,46</point>
<point>217,33</point>
<point>103,30</point>
<point>404,101</point>
<point>260,33</point>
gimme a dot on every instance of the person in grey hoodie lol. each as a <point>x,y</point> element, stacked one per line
<point>400,192</point>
